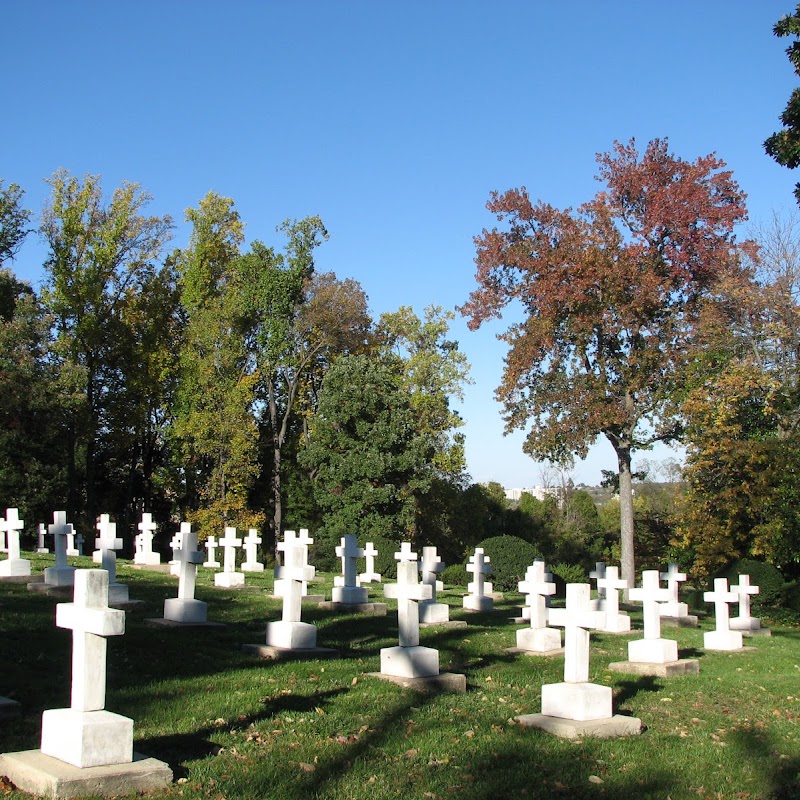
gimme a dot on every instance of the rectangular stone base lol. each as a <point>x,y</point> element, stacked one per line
<point>171,623</point>
<point>229,580</point>
<point>539,640</point>
<point>34,772</point>
<point>371,609</point>
<point>15,567</point>
<point>722,640</point>
<point>291,635</point>
<point>185,610</point>
<point>351,595</point>
<point>148,560</point>
<point>653,651</point>
<point>434,612</point>
<point>410,662</point>
<point>451,623</point>
<point>59,576</point>
<point>255,566</point>
<point>577,701</point>
<point>316,599</point>
<point>758,632</point>
<point>689,621</point>
<point>21,578</point>
<point>443,682</point>
<point>9,709</point>
<point>473,603</point>
<point>62,592</point>
<point>615,726</point>
<point>743,624</point>
<point>288,654</point>
<point>87,738</point>
<point>514,651</point>
<point>684,666</point>
<point>164,568</point>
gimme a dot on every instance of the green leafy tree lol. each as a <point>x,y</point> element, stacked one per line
<point>13,221</point>
<point>610,296</point>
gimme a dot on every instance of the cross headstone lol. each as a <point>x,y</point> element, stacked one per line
<point>61,574</point>
<point>291,632</point>
<point>431,612</point>
<point>536,587</point>
<point>145,554</point>
<point>408,592</point>
<point>369,575</point>
<point>289,537</point>
<point>185,608</point>
<point>229,576</point>
<point>722,638</point>
<point>79,544</point>
<point>349,592</point>
<point>405,553</point>
<point>652,649</point>
<point>673,607</point>
<point>597,574</point>
<point>251,562</point>
<point>577,618</point>
<point>69,734</point>
<point>744,621</point>
<point>477,599</point>
<point>14,565</point>
<point>107,543</point>
<point>71,549</point>
<point>611,585</point>
<point>176,543</point>
<point>42,544</point>
<point>211,548</point>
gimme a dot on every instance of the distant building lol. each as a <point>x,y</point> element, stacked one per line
<point>539,492</point>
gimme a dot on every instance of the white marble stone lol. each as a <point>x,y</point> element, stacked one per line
<point>251,543</point>
<point>652,649</point>
<point>144,542</point>
<point>595,575</point>
<point>537,637</point>
<point>405,553</point>
<point>86,735</point>
<point>744,621</point>
<point>349,592</point>
<point>184,607</point>
<point>578,701</point>
<point>14,565</point>
<point>369,575</point>
<point>673,607</point>
<point>61,574</point>
<point>722,637</point>
<point>611,585</point>
<point>42,545</point>
<point>431,611</point>
<point>107,543</point>
<point>229,577</point>
<point>211,548</point>
<point>176,543</point>
<point>291,632</point>
<point>477,599</point>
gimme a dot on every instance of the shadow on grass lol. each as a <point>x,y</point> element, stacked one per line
<point>763,750</point>
<point>629,688</point>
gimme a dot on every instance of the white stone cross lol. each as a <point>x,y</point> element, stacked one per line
<point>59,530</point>
<point>230,542</point>
<point>79,544</point>
<point>577,618</point>
<point>479,567</point>
<point>176,543</point>
<point>721,597</point>
<point>369,575</point>
<point>251,562</point>
<point>596,575</point>
<point>408,592</point>
<point>673,576</point>
<point>107,543</point>
<point>743,590</point>
<point>295,572</point>
<point>429,567</point>
<point>91,621</point>
<point>650,595</point>
<point>144,541</point>
<point>406,553</point>
<point>349,552</point>
<point>611,585</point>
<point>211,547</point>
<point>11,527</point>
<point>42,545</point>
<point>536,588</point>
<point>188,557</point>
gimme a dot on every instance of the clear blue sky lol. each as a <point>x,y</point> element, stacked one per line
<point>391,120</point>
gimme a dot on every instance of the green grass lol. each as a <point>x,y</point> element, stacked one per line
<point>233,726</point>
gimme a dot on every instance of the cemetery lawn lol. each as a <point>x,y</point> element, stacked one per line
<point>234,726</point>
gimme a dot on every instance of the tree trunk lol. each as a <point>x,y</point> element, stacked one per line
<point>627,560</point>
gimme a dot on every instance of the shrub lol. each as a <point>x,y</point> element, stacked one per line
<point>385,563</point>
<point>767,577</point>
<point>509,557</point>
<point>454,575</point>
<point>569,573</point>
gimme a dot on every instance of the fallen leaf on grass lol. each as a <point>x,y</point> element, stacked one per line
<point>595,779</point>
<point>469,734</point>
<point>410,753</point>
<point>306,767</point>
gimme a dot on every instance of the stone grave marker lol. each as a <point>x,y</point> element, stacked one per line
<point>14,565</point>
<point>42,544</point>
<point>185,608</point>
<point>107,543</point>
<point>673,612</point>
<point>369,575</point>
<point>97,742</point>
<point>211,549</point>
<point>611,585</point>
<point>431,612</point>
<point>349,592</point>
<point>595,575</point>
<point>251,543</point>
<point>577,707</point>
<point>61,574</point>
<point>746,623</point>
<point>175,544</point>
<point>279,584</point>
<point>722,638</point>
<point>145,555</point>
<point>229,577</point>
<point>537,637</point>
<point>405,553</point>
<point>477,599</point>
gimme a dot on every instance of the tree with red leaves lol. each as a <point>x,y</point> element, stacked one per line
<point>610,294</point>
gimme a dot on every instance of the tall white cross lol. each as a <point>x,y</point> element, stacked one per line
<point>577,618</point>
<point>59,530</point>
<point>430,566</point>
<point>650,595</point>
<point>295,572</point>
<point>211,548</point>
<point>12,526</point>
<point>188,557</point>
<point>611,585</point>
<point>479,567</point>
<point>596,574</point>
<point>144,541</point>
<point>349,551</point>
<point>408,592</point>
<point>107,543</point>
<point>91,621</point>
<point>743,590</point>
<point>251,542</point>
<point>406,553</point>
<point>42,545</point>
<point>369,575</point>
<point>230,542</point>
<point>673,576</point>
<point>721,597</point>
<point>536,588</point>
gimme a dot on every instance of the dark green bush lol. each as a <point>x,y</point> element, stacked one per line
<point>509,556</point>
<point>385,562</point>
<point>455,575</point>
<point>767,577</point>
<point>569,573</point>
